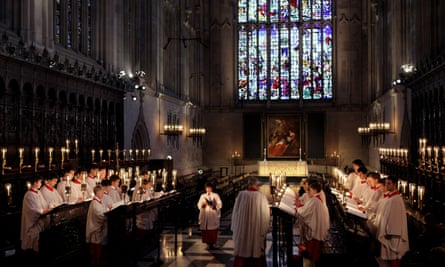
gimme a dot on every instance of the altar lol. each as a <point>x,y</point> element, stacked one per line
<point>292,168</point>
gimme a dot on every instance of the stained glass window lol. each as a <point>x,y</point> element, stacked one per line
<point>58,27</point>
<point>284,50</point>
<point>69,24</point>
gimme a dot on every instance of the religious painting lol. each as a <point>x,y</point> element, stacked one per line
<point>283,136</point>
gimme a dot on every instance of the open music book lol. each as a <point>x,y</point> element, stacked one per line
<point>288,202</point>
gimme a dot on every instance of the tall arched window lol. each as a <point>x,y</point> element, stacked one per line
<point>284,50</point>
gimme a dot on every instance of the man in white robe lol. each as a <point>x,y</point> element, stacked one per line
<point>49,192</point>
<point>96,227</point>
<point>314,221</point>
<point>392,231</point>
<point>209,206</point>
<point>34,205</point>
<point>250,223</point>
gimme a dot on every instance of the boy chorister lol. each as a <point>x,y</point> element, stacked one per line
<point>50,193</point>
<point>96,226</point>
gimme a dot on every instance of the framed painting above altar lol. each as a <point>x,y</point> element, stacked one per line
<point>283,136</point>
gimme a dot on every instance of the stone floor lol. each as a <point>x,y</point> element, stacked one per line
<point>192,252</point>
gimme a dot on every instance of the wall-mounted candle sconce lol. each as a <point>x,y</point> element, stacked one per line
<point>196,131</point>
<point>376,131</point>
<point>197,135</point>
<point>173,129</point>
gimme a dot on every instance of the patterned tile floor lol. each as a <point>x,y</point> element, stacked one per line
<point>192,252</point>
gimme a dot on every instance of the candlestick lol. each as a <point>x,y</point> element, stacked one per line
<point>174,173</point>
<point>3,160</point>
<point>420,193</point>
<point>412,188</point>
<point>36,158</point>
<point>8,189</point>
<point>21,150</point>
<point>62,158</point>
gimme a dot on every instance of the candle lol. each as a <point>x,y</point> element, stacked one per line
<point>21,150</point>
<point>8,189</point>
<point>421,191</point>
<point>67,144</point>
<point>300,152</point>
<point>137,154</point>
<point>92,155</point>
<point>37,153</point>
<point>130,153</point>
<point>143,154</point>
<point>148,152</point>
<point>84,176</point>
<point>100,154</point>
<point>62,151</point>
<point>76,144</point>
<point>4,150</point>
<point>28,185</point>
<point>140,181</point>
<point>50,150</point>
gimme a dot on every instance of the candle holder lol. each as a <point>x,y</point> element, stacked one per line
<point>8,188</point>
<point>92,155</point>
<point>21,150</point>
<point>36,163</point>
<point>124,190</point>
<point>50,157</point>
<point>174,173</point>
<point>67,192</point>
<point>420,194</point>
<point>83,189</point>
<point>76,148</point>
<point>4,150</point>
<point>412,189</point>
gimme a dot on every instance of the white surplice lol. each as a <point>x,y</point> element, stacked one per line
<point>314,218</point>
<point>392,231</point>
<point>209,217</point>
<point>52,197</point>
<point>96,224</point>
<point>250,223</point>
<point>33,206</point>
<point>352,179</point>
